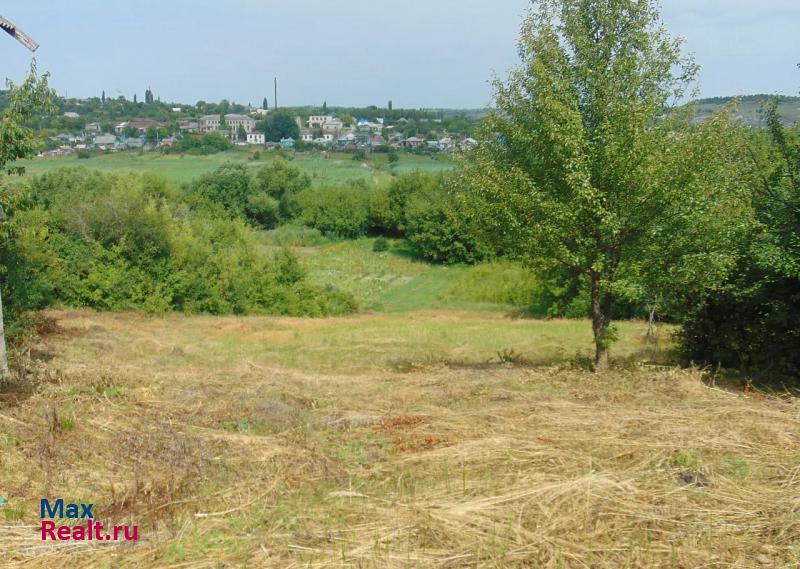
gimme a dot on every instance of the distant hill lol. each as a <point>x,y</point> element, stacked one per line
<point>750,108</point>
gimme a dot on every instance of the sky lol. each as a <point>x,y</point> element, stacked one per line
<point>417,53</point>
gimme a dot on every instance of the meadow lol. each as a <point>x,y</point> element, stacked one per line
<point>403,439</point>
<point>335,168</point>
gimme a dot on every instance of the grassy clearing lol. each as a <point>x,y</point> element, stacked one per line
<point>396,281</point>
<point>335,169</point>
<point>236,443</point>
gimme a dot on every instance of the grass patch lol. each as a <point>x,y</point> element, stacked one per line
<point>331,170</point>
<point>251,446</point>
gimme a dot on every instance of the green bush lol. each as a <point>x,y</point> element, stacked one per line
<point>339,210</point>
<point>380,245</point>
<point>127,242</point>
<point>202,144</point>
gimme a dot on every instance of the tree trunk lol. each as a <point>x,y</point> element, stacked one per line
<point>651,336</point>
<point>4,372</point>
<point>600,322</point>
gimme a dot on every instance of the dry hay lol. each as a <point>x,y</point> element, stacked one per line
<point>486,467</point>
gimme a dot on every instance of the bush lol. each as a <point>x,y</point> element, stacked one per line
<point>281,181</point>
<point>112,242</point>
<point>751,321</point>
<point>340,210</point>
<point>84,155</point>
<point>202,144</point>
<point>380,245</point>
<point>422,210</point>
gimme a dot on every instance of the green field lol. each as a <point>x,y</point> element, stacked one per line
<point>333,169</point>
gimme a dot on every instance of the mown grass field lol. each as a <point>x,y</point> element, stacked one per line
<point>335,169</point>
<point>388,440</point>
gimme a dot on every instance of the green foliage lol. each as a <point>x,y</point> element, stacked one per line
<point>23,101</point>
<point>380,245</point>
<point>280,124</point>
<point>751,321</point>
<point>282,182</point>
<point>582,170</point>
<point>128,242</point>
<point>420,208</point>
<point>339,210</point>
<point>228,185</point>
<point>202,144</point>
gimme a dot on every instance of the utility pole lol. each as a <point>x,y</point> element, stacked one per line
<point>25,40</point>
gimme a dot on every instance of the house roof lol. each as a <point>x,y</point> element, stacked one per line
<point>237,117</point>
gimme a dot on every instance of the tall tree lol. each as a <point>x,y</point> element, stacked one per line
<point>390,105</point>
<point>103,98</point>
<point>148,96</point>
<point>17,141</point>
<point>324,107</point>
<point>134,99</point>
<point>589,167</point>
<point>265,104</point>
<point>280,124</point>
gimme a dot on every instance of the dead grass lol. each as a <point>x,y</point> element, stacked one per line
<point>233,460</point>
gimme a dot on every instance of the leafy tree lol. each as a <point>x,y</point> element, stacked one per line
<point>131,131</point>
<point>241,133</point>
<point>18,141</point>
<point>228,185</point>
<point>751,322</point>
<point>151,135</point>
<point>588,165</point>
<point>281,181</point>
<point>280,124</point>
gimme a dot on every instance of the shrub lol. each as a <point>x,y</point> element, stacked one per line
<point>281,181</point>
<point>202,144</point>
<point>338,210</point>
<point>380,245</point>
<point>112,242</point>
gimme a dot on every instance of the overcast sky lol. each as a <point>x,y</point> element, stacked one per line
<point>419,53</point>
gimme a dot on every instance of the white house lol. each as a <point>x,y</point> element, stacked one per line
<point>328,123</point>
<point>256,138</point>
<point>210,123</point>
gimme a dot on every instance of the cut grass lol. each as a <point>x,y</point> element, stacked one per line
<point>226,453</point>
